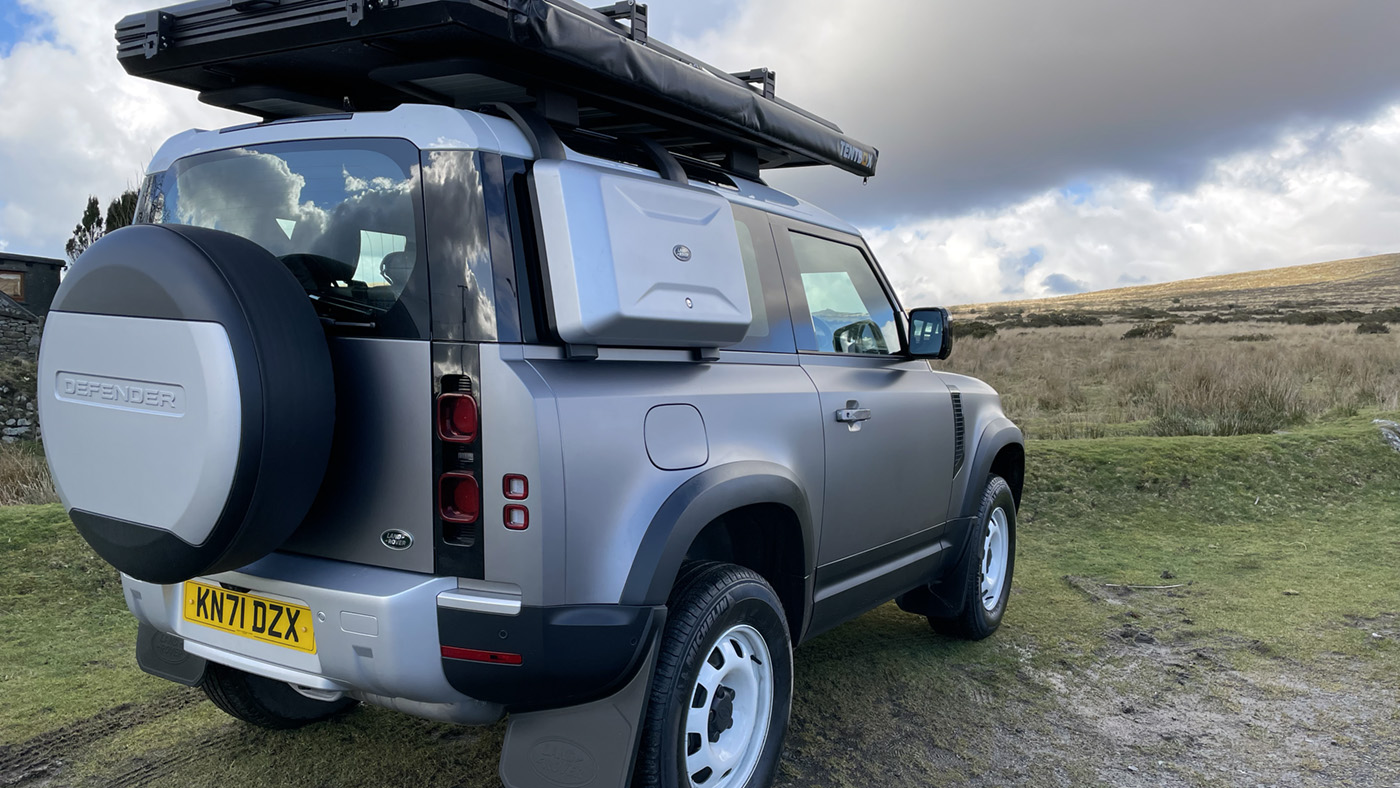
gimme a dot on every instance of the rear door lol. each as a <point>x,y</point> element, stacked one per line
<point>887,423</point>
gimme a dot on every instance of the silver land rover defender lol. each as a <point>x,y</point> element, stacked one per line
<point>484,375</point>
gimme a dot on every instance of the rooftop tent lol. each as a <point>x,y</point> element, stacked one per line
<point>593,71</point>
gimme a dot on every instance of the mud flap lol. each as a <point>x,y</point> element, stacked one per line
<point>947,595</point>
<point>589,746</point>
<point>164,656</point>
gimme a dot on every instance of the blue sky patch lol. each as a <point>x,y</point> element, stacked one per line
<point>1077,192</point>
<point>16,24</point>
<point>1060,284</point>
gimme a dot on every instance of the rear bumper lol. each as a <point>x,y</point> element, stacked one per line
<point>384,636</point>
<point>376,633</point>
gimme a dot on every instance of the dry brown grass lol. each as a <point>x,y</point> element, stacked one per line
<point>1362,281</point>
<point>1086,382</point>
<point>24,476</point>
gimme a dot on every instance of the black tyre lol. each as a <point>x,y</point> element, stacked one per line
<point>265,702</point>
<point>723,686</point>
<point>987,567</point>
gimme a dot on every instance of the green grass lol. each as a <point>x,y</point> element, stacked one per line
<point>1241,523</point>
<point>65,634</point>
<point>1244,522</point>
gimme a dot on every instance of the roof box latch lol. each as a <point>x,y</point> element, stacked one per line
<point>765,79</point>
<point>157,32</point>
<point>635,13</point>
<point>355,10</point>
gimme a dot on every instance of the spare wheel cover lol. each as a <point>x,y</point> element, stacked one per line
<point>186,400</point>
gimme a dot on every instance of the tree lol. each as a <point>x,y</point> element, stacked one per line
<point>120,213</point>
<point>87,232</point>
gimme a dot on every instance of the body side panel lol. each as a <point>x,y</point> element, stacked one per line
<point>752,413</point>
<point>521,435</point>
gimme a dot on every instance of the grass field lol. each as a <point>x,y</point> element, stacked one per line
<point>1271,652</point>
<point>1205,590</point>
<point>1089,382</point>
<point>1361,282</point>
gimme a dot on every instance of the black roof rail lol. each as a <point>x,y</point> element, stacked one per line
<point>764,78</point>
<point>635,13</point>
<point>596,70</point>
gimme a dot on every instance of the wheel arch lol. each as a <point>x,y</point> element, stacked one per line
<point>751,513</point>
<point>1000,450</point>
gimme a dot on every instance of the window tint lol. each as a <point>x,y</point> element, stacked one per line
<point>759,329</point>
<point>771,330</point>
<point>848,308</point>
<point>345,218</point>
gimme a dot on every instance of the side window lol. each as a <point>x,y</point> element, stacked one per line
<point>849,311</point>
<point>772,329</point>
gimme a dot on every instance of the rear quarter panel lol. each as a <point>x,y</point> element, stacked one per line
<point>612,490</point>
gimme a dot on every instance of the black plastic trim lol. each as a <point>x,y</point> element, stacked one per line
<point>569,655</point>
<point>698,502</point>
<point>995,436</point>
<point>844,589</point>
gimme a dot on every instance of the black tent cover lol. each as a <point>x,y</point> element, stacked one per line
<point>576,66</point>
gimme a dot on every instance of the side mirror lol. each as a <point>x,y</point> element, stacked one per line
<point>930,334</point>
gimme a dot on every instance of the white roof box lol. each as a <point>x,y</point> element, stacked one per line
<point>633,261</point>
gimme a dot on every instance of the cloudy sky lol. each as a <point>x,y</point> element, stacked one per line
<point>1027,148</point>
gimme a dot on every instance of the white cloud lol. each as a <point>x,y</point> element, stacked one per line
<point>1027,147</point>
<point>974,104</point>
<point>75,124</point>
<point>1325,193</point>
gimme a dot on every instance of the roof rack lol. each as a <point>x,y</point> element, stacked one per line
<point>595,70</point>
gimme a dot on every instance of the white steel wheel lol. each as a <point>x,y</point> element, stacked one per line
<point>722,691</point>
<point>996,550</point>
<point>731,703</point>
<point>981,580</point>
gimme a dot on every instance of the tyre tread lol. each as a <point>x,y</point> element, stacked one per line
<point>971,622</point>
<point>235,693</point>
<point>690,609</point>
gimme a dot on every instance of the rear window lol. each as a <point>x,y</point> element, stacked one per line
<point>344,216</point>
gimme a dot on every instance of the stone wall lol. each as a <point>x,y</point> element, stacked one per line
<point>19,352</point>
<point>19,337</point>
<point>19,415</point>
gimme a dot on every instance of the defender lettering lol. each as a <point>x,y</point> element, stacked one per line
<point>130,394</point>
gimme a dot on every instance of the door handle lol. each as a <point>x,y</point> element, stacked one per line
<point>852,415</point>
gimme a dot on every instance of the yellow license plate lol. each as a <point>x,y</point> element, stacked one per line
<point>262,619</point>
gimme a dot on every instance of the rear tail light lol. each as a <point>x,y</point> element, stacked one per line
<point>458,418</point>
<point>459,497</point>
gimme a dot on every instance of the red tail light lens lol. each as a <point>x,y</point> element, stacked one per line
<point>458,419</point>
<point>459,497</point>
